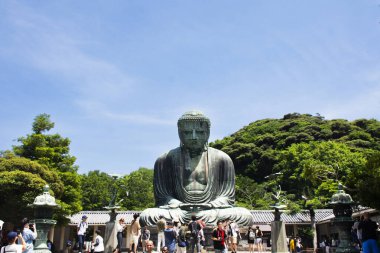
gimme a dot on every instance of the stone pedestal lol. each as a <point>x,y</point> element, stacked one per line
<point>278,235</point>
<point>343,226</point>
<point>110,240</point>
<point>43,226</point>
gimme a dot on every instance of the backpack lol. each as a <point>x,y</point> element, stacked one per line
<point>251,235</point>
<point>194,229</point>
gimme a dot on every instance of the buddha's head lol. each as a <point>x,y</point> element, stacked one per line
<point>194,130</point>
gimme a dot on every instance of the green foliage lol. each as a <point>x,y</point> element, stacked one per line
<point>251,194</point>
<point>42,123</point>
<point>312,153</point>
<point>21,181</point>
<point>139,186</point>
<point>368,182</point>
<point>53,150</point>
<point>96,190</point>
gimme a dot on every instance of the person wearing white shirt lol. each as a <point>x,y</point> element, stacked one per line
<point>81,231</point>
<point>98,245</point>
<point>120,226</point>
<point>12,246</point>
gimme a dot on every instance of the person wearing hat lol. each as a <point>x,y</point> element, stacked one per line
<point>12,246</point>
<point>81,231</point>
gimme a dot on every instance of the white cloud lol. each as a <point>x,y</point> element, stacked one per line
<point>58,52</point>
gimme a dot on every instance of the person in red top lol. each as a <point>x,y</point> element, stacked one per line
<point>219,237</point>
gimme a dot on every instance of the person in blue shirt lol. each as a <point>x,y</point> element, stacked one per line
<point>29,233</point>
<point>170,237</point>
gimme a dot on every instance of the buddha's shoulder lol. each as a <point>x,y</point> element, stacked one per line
<point>218,153</point>
<point>170,154</point>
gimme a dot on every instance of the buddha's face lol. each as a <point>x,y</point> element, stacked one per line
<point>194,134</point>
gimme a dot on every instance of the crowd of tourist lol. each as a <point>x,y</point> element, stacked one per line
<point>174,237</point>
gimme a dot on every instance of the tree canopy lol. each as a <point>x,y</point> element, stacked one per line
<point>21,181</point>
<point>96,190</point>
<point>309,153</point>
<point>53,151</point>
<point>137,190</point>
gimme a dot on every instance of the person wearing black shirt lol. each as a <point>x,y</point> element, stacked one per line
<point>369,228</point>
<point>219,237</point>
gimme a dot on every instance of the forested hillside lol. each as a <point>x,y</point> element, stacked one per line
<point>309,155</point>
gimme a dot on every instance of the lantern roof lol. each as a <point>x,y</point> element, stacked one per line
<point>45,199</point>
<point>341,197</point>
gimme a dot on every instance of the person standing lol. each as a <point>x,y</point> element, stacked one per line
<point>81,231</point>
<point>29,233</point>
<point>161,225</point>
<point>182,240</point>
<point>327,245</point>
<point>368,228</point>
<point>12,246</point>
<point>136,231</point>
<point>259,239</point>
<point>234,233</point>
<point>251,239</point>
<point>292,245</point>
<point>145,236</point>
<point>298,244</point>
<point>170,237</point>
<point>201,234</point>
<point>120,226</point>
<point>226,227</point>
<point>98,245</point>
<point>194,229</point>
<point>219,237</point>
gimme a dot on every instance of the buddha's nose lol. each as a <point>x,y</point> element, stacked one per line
<point>194,137</point>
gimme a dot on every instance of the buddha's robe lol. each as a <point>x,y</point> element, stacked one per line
<point>172,187</point>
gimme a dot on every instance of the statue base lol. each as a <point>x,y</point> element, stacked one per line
<point>278,235</point>
<point>110,240</point>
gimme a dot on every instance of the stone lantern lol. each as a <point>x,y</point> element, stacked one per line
<point>278,232</point>
<point>342,203</point>
<point>43,206</point>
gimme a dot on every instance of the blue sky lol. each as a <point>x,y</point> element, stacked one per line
<point>116,75</point>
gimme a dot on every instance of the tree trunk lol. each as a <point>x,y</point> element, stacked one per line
<point>314,229</point>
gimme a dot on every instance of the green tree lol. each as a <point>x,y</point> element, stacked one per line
<point>42,123</point>
<point>314,168</point>
<point>367,182</point>
<point>96,190</point>
<point>255,149</point>
<point>53,150</point>
<point>250,194</point>
<point>137,190</point>
<point>21,181</point>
